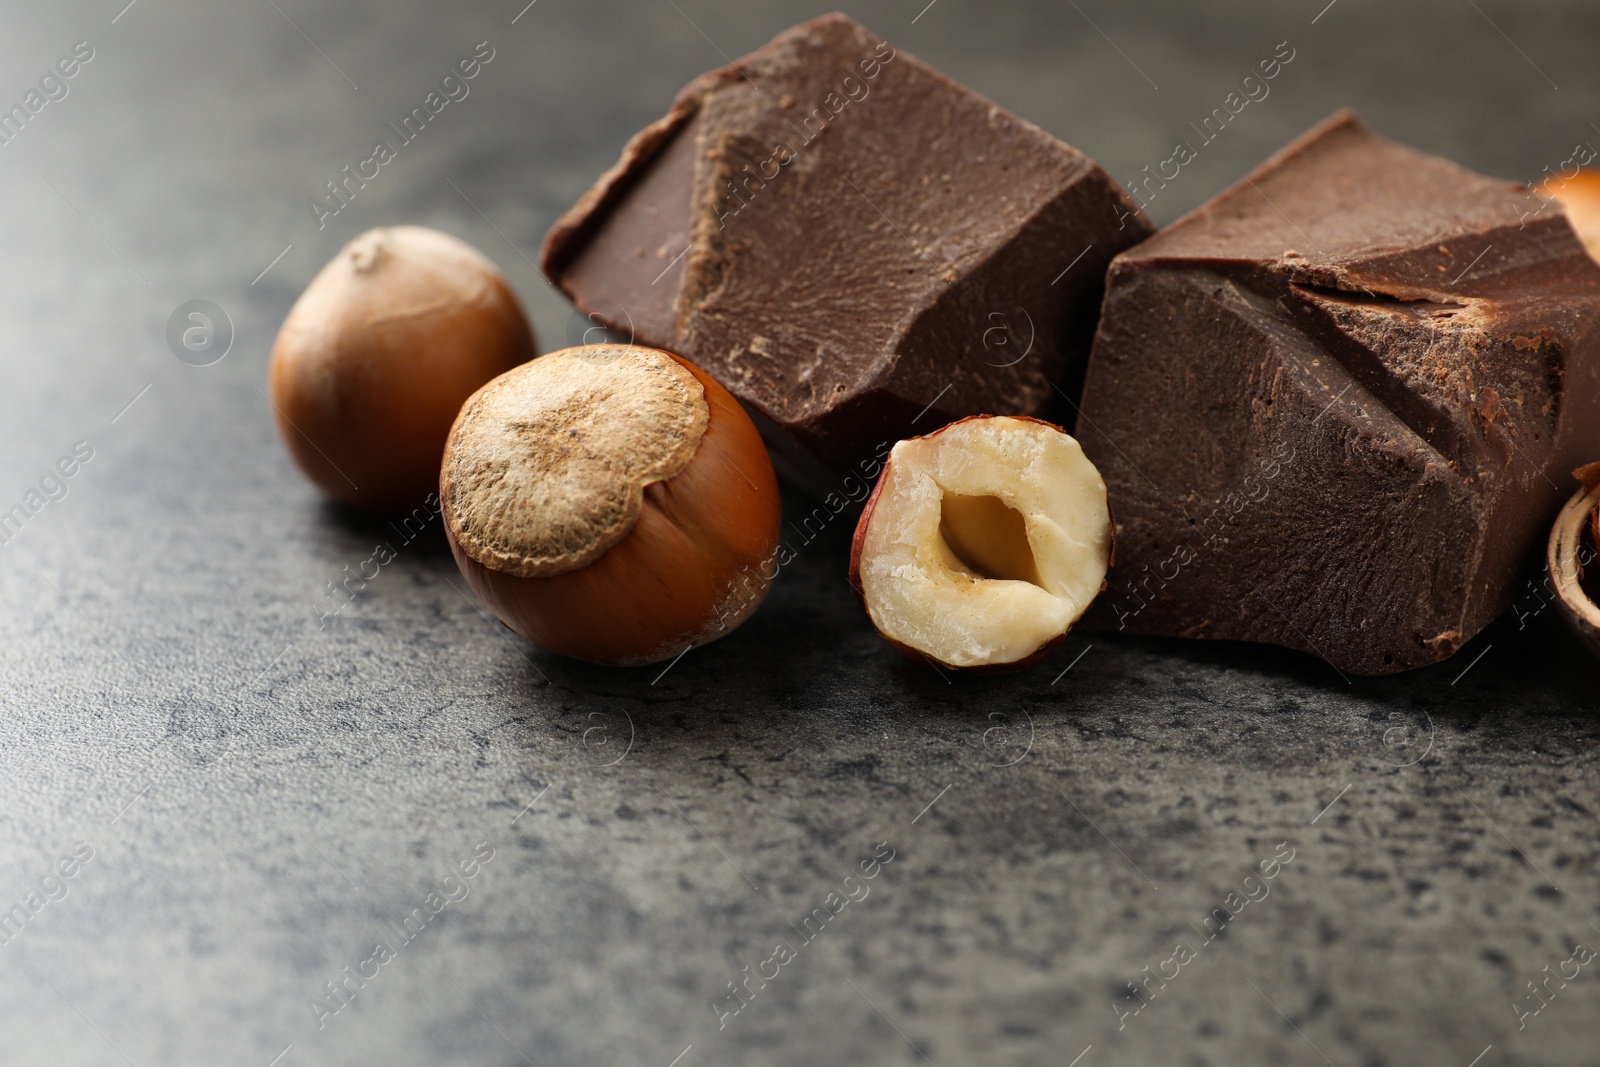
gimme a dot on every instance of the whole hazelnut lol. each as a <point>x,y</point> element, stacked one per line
<point>376,357</point>
<point>1580,198</point>
<point>612,503</point>
<point>982,543</point>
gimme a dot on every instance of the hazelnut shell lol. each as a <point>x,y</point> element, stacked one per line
<point>1564,557</point>
<point>374,360</point>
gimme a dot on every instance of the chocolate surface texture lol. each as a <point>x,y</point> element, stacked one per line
<point>857,247</point>
<point>1338,405</point>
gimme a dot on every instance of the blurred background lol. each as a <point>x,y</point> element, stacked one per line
<point>264,796</point>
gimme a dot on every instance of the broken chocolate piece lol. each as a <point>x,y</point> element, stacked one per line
<point>1336,406</point>
<point>857,247</point>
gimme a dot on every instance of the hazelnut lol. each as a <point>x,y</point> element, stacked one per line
<point>1580,196</point>
<point>1567,554</point>
<point>612,503</point>
<point>983,543</point>
<point>374,360</point>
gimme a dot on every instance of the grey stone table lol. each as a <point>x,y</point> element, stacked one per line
<point>218,800</point>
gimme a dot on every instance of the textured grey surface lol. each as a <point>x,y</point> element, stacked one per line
<point>266,797</point>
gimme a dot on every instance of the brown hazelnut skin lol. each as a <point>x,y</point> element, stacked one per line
<point>1038,656</point>
<point>377,356</point>
<point>697,562</point>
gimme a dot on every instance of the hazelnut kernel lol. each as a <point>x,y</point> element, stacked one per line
<point>983,543</point>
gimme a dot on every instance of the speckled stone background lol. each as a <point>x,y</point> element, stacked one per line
<point>264,794</point>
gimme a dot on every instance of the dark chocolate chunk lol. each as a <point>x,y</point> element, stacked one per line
<point>857,247</point>
<point>1337,405</point>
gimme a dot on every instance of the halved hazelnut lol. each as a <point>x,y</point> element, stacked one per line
<point>1580,196</point>
<point>983,542</point>
<point>612,503</point>
<point>1567,554</point>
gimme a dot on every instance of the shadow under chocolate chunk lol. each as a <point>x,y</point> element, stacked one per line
<point>858,248</point>
<point>1338,405</point>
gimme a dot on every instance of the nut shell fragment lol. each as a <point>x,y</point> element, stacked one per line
<point>1567,555</point>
